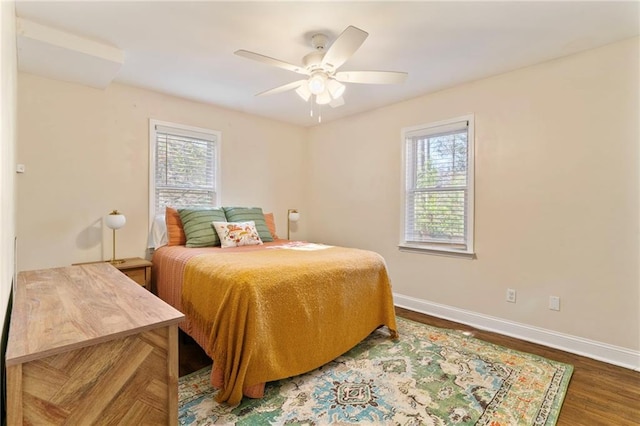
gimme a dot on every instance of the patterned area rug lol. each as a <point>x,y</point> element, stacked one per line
<point>430,376</point>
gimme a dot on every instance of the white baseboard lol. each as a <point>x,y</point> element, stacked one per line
<point>611,354</point>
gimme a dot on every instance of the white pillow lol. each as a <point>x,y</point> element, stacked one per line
<point>158,233</point>
<point>235,234</point>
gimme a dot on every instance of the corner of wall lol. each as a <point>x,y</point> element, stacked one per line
<point>8,108</point>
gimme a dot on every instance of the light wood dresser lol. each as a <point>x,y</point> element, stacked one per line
<point>87,346</point>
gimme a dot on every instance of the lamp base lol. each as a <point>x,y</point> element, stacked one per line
<point>116,261</point>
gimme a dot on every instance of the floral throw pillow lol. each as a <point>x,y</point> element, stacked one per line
<point>235,234</point>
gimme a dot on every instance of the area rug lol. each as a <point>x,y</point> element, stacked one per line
<point>429,376</point>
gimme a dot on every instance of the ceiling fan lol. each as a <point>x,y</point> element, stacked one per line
<point>324,81</point>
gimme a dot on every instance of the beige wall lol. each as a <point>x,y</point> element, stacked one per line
<point>8,99</point>
<point>557,188</point>
<point>86,153</point>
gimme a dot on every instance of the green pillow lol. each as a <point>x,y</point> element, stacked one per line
<point>198,226</point>
<point>244,214</point>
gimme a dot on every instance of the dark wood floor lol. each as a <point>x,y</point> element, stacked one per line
<point>599,393</point>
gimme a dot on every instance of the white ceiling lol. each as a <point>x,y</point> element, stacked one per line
<point>186,48</point>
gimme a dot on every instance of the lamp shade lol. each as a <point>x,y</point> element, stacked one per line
<point>317,83</point>
<point>115,220</point>
<point>323,98</point>
<point>303,91</point>
<point>336,89</point>
<point>294,216</point>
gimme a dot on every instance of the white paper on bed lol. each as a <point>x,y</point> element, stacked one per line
<point>299,245</point>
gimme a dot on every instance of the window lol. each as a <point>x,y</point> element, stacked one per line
<point>438,194</point>
<point>184,167</point>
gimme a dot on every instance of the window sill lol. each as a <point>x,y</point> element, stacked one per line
<point>438,251</point>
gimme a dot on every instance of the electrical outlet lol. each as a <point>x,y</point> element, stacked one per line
<point>511,295</point>
<point>554,303</point>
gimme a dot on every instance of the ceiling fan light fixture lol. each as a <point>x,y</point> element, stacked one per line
<point>317,83</point>
<point>336,89</point>
<point>303,91</point>
<point>323,98</point>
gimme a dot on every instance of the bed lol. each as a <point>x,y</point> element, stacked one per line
<point>270,311</point>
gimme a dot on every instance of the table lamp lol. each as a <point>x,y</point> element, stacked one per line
<point>115,220</point>
<point>292,216</point>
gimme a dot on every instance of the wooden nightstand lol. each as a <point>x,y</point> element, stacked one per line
<point>139,270</point>
<point>136,268</point>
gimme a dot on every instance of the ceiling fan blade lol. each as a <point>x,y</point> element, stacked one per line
<point>271,61</point>
<point>335,103</point>
<point>371,77</point>
<point>283,88</point>
<point>345,45</point>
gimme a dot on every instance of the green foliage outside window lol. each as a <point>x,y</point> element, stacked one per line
<point>184,171</point>
<point>439,197</point>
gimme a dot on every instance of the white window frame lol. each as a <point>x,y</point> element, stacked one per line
<point>152,160</point>
<point>435,247</point>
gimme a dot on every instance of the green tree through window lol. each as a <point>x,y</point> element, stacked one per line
<point>184,162</point>
<point>440,208</point>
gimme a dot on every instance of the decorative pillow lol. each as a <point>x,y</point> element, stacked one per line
<point>244,214</point>
<point>236,234</point>
<point>271,224</point>
<point>198,228</point>
<point>175,232</point>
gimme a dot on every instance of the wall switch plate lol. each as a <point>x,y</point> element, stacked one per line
<point>554,303</point>
<point>511,295</point>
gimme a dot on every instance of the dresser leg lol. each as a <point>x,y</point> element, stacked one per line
<point>14,395</point>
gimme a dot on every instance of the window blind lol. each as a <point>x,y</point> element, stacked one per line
<point>437,185</point>
<point>184,168</point>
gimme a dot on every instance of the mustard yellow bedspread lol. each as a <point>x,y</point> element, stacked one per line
<point>276,313</point>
